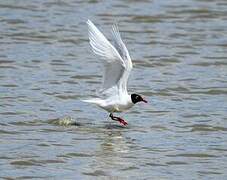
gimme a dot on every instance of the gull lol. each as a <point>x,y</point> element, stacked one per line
<point>117,67</point>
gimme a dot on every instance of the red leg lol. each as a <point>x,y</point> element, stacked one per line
<point>120,120</point>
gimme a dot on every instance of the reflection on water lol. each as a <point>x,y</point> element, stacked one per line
<point>46,67</point>
<point>109,155</point>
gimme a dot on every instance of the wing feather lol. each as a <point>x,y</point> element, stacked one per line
<point>117,64</point>
<point>122,50</point>
<point>101,46</point>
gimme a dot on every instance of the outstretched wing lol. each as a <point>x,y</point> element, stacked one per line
<point>115,66</point>
<point>123,51</point>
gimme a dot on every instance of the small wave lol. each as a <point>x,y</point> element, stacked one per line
<point>65,121</point>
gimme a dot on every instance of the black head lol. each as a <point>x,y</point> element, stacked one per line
<point>137,98</point>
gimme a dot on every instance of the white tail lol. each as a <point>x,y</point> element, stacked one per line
<point>94,100</point>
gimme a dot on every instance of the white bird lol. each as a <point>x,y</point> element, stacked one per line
<point>117,67</point>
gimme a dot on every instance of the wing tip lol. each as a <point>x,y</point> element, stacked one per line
<point>89,22</point>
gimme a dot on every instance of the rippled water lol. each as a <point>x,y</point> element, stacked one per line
<point>179,50</point>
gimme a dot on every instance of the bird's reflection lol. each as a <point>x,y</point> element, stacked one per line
<point>114,148</point>
<point>114,143</point>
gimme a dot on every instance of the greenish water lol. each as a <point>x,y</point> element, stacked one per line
<point>179,51</point>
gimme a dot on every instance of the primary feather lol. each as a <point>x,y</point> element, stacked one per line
<point>121,48</point>
<point>101,46</point>
<point>117,64</point>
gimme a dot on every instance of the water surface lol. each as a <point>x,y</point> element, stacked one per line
<point>180,65</point>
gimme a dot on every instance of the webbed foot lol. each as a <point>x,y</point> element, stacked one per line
<point>120,120</point>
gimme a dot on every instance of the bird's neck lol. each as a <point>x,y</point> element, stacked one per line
<point>129,99</point>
